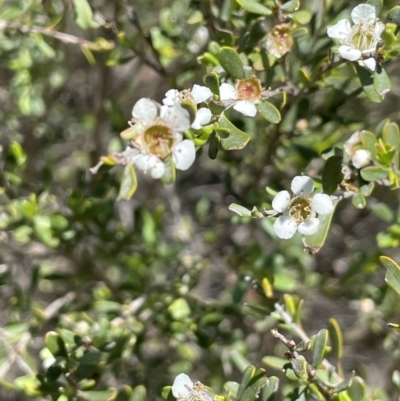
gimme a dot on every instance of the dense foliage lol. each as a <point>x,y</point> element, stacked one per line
<point>199,191</point>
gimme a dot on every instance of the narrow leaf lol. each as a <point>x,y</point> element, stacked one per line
<point>84,14</point>
<point>318,346</point>
<point>128,183</point>
<point>392,277</point>
<point>240,210</point>
<point>254,7</point>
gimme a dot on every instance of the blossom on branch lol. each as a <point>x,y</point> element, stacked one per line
<point>198,94</point>
<point>157,135</point>
<point>299,212</point>
<point>359,42</point>
<point>244,96</point>
<point>183,389</point>
<point>359,157</point>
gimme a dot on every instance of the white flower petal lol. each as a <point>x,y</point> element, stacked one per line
<point>322,204</point>
<point>200,93</point>
<point>309,227</point>
<point>281,201</point>
<point>361,158</point>
<point>341,30</point>
<point>203,117</point>
<point>182,386</point>
<point>378,29</point>
<point>176,117</point>
<point>171,97</point>
<point>351,142</point>
<point>285,227</point>
<point>227,92</point>
<point>245,107</point>
<point>184,154</point>
<point>363,13</point>
<point>302,185</point>
<point>370,63</point>
<point>144,110</point>
<point>349,53</point>
<point>150,164</point>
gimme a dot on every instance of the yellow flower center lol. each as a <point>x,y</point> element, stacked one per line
<point>300,209</point>
<point>159,140</point>
<point>364,38</point>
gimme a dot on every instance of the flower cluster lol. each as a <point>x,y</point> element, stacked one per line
<point>359,42</point>
<point>299,212</point>
<point>183,389</point>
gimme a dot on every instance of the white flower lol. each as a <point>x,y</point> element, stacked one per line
<point>157,135</point>
<point>299,212</point>
<point>359,42</point>
<point>359,157</point>
<point>243,97</point>
<point>183,389</point>
<point>198,94</point>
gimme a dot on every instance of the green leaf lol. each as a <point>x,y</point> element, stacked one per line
<point>357,389</point>
<point>84,15</point>
<point>373,173</point>
<point>381,81</point>
<point>179,309</point>
<point>332,174</point>
<point>358,200</point>
<point>267,393</point>
<point>367,82</point>
<point>269,112</point>
<point>344,385</point>
<point>394,15</point>
<point>106,395</point>
<point>56,344</point>
<point>392,277</point>
<point>383,211</point>
<point>290,6</point>
<point>318,346</point>
<point>369,142</point>
<point>313,243</point>
<point>299,367</point>
<point>42,227</point>
<point>212,81</point>
<point>240,361</point>
<point>253,381</point>
<point>128,183</point>
<point>139,393</point>
<point>336,337</point>
<point>237,139</point>
<point>391,135</point>
<point>274,362</point>
<point>213,146</point>
<point>378,4</point>
<point>240,210</point>
<point>232,63</point>
<point>254,7</point>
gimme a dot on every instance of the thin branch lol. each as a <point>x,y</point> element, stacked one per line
<point>303,336</point>
<point>63,37</point>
